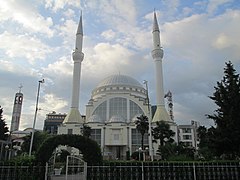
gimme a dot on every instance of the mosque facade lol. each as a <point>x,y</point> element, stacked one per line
<point>115,104</point>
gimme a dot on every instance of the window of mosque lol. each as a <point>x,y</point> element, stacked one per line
<point>115,133</point>
<point>101,111</point>
<point>96,135</point>
<point>70,131</point>
<point>118,106</point>
<point>134,110</point>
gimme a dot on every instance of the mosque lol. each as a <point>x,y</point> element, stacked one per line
<point>115,104</point>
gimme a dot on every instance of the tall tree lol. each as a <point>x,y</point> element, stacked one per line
<point>86,130</point>
<point>3,126</point>
<point>163,133</point>
<point>206,147</point>
<point>142,126</point>
<point>38,139</point>
<point>227,116</point>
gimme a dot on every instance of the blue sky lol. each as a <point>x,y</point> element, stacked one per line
<point>37,38</point>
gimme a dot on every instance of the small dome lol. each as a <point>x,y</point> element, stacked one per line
<point>116,118</point>
<point>119,80</point>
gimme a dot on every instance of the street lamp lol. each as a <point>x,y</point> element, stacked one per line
<point>149,123</point>
<point>35,117</point>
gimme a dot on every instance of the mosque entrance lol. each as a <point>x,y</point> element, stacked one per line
<point>115,152</point>
<point>73,169</point>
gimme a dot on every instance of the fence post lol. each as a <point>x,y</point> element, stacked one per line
<point>46,171</point>
<point>142,171</point>
<point>66,177</point>
<point>194,171</point>
<point>85,171</point>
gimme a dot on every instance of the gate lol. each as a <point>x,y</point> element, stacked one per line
<point>76,168</point>
<point>73,169</point>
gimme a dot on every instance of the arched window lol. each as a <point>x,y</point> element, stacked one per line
<point>118,106</point>
<point>134,110</point>
<point>101,111</point>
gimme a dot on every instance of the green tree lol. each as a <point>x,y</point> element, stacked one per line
<point>206,148</point>
<point>38,139</point>
<point>3,126</point>
<point>142,126</point>
<point>227,116</point>
<point>163,133</point>
<point>86,130</point>
<point>173,151</point>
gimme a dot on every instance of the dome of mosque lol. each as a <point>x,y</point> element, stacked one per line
<point>119,80</point>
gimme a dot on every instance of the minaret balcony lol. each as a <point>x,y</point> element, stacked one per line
<point>157,53</point>
<point>76,55</point>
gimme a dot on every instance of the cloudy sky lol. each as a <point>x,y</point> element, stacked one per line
<point>37,38</point>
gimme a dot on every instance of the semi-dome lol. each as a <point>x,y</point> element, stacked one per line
<point>119,80</point>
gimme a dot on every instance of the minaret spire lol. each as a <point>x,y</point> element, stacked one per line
<point>155,23</point>
<point>157,54</point>
<point>80,28</point>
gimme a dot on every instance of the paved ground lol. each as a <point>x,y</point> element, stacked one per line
<point>69,177</point>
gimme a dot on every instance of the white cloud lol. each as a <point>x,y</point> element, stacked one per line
<point>63,65</point>
<point>53,103</point>
<point>69,13</point>
<point>68,32</point>
<point>17,69</point>
<point>222,41</point>
<point>199,35</point>
<point>214,4</point>
<point>111,10</point>
<point>107,55</point>
<point>109,34</point>
<point>23,14</point>
<point>55,5</point>
<point>23,46</point>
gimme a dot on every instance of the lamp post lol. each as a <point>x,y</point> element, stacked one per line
<point>35,117</point>
<point>149,123</point>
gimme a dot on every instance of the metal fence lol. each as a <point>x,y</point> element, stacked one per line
<point>15,172</point>
<point>165,171</point>
<point>137,171</point>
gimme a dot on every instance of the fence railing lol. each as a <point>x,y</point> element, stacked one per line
<point>166,171</point>
<point>137,171</point>
<point>15,172</point>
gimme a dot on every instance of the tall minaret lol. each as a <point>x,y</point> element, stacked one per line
<point>17,108</point>
<point>157,54</point>
<point>74,116</point>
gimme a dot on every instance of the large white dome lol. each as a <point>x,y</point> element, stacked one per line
<point>119,80</point>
